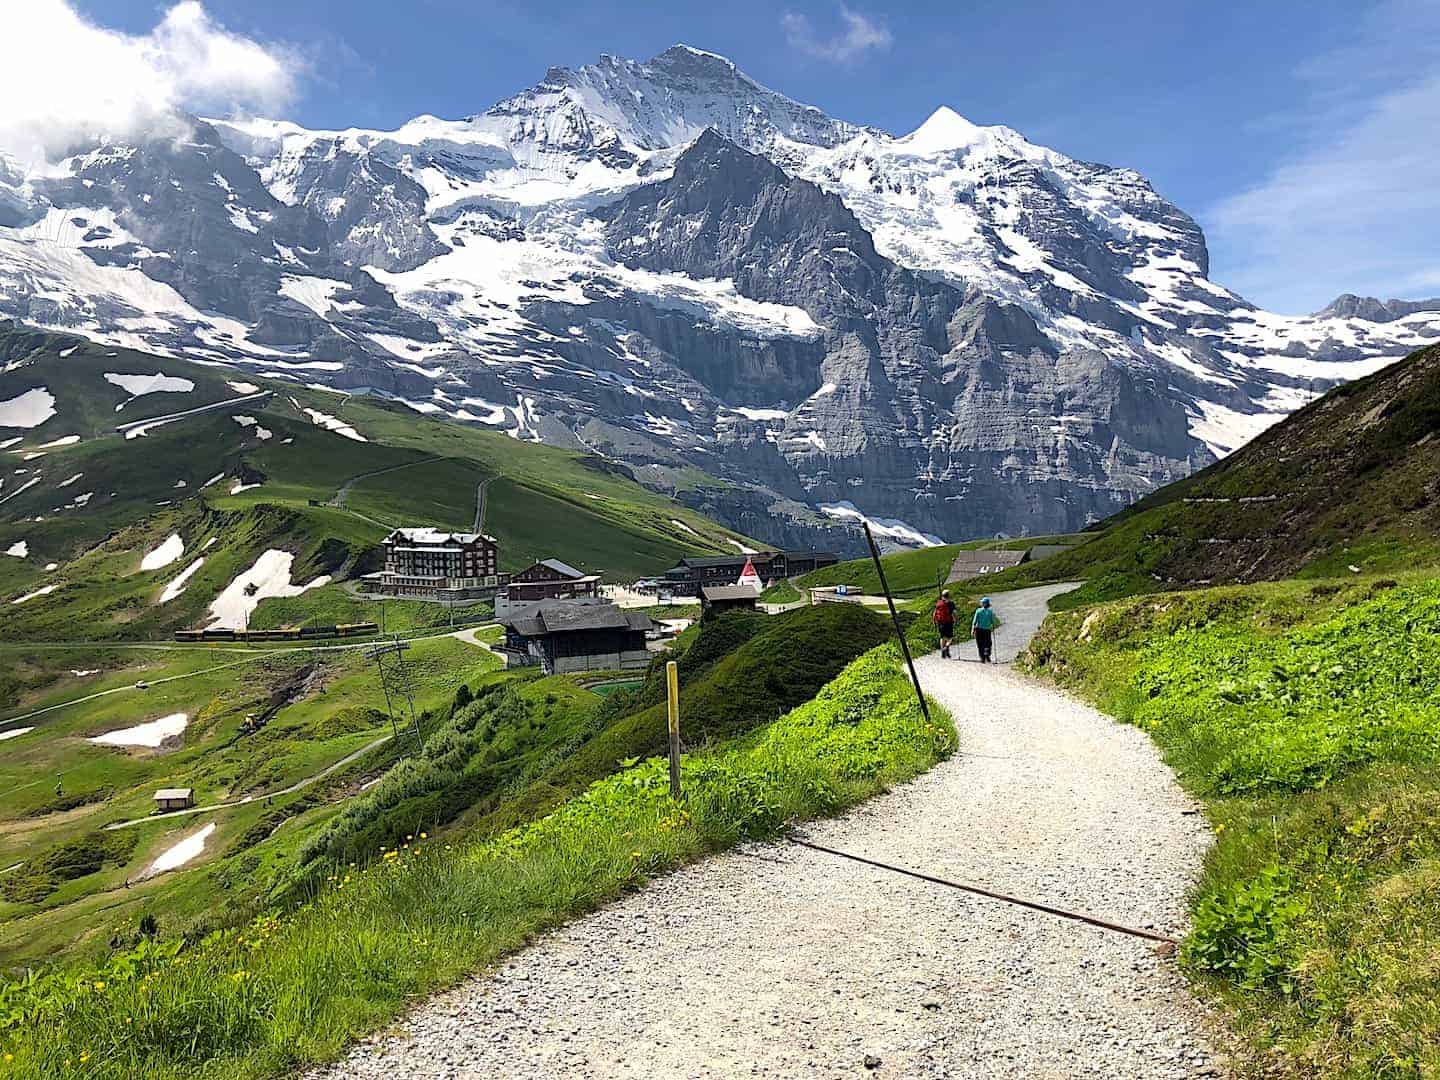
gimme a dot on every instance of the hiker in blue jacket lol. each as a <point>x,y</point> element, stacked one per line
<point>982,626</point>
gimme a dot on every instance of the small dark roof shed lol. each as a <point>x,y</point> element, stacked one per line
<point>969,564</point>
<point>562,617</point>
<point>722,594</point>
<point>562,568</point>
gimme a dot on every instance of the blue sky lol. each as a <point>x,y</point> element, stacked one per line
<point>1300,134</point>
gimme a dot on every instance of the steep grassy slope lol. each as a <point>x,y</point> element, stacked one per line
<point>282,991</point>
<point>258,722</point>
<point>1304,713</point>
<point>272,474</point>
<point>1352,479</point>
<point>740,672</point>
<point>912,574</point>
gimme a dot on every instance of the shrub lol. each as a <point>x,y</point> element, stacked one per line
<point>1243,931</point>
<point>88,854</point>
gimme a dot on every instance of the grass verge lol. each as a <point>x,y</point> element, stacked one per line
<point>1304,714</point>
<point>285,991</point>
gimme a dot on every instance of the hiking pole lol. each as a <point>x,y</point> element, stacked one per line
<point>895,618</point>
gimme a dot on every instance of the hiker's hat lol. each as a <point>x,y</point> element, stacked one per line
<point>985,602</point>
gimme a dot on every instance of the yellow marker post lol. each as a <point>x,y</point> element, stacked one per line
<point>672,684</point>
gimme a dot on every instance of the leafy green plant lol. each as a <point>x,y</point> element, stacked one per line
<point>1244,931</point>
<point>1305,715</point>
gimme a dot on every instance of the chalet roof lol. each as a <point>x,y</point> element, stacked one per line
<point>168,793</point>
<point>427,536</point>
<point>727,593</point>
<point>970,564</point>
<point>562,568</point>
<point>567,617</point>
<point>701,561</point>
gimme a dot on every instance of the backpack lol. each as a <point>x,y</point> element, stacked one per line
<point>944,612</point>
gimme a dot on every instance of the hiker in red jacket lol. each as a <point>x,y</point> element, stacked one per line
<point>945,622</point>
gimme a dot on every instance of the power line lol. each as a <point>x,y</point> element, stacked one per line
<point>1033,905</point>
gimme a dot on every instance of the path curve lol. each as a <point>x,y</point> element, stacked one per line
<point>782,961</point>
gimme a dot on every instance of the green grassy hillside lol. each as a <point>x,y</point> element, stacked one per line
<point>258,722</point>
<point>914,573</point>
<point>1300,704</point>
<point>85,512</point>
<point>1304,714</point>
<point>282,990</point>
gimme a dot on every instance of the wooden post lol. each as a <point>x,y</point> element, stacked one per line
<point>672,685</point>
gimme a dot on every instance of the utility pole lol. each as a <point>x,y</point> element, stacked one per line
<point>396,648</point>
<point>895,618</point>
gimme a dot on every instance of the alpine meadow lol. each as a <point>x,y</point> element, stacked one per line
<point>651,577</point>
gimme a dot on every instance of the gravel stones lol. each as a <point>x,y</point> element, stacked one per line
<point>780,961</point>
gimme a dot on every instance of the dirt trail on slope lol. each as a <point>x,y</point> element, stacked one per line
<point>786,962</point>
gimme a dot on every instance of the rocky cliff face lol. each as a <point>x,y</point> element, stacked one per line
<point>954,331</point>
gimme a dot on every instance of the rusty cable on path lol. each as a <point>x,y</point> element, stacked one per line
<point>1033,905</point>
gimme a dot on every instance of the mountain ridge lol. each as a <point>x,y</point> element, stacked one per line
<point>466,268</point>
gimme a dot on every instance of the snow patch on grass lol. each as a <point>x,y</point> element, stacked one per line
<point>331,423</point>
<point>177,585</point>
<point>20,549</point>
<point>14,732</point>
<point>270,576</point>
<point>151,733</point>
<point>44,590</point>
<point>140,385</point>
<point>177,856</point>
<point>170,550</point>
<point>250,421</point>
<point>30,409</point>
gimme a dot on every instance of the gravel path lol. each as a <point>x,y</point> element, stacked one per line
<point>781,961</point>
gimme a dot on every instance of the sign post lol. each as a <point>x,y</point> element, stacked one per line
<point>672,685</point>
<point>895,618</point>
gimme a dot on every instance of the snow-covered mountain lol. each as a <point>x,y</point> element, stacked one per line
<point>955,331</point>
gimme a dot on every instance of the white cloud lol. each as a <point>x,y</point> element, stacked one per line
<point>1356,207</point>
<point>859,35</point>
<point>66,80</point>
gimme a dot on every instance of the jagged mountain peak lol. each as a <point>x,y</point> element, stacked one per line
<point>1373,309</point>
<point>666,262</point>
<point>944,130</point>
<point>661,103</point>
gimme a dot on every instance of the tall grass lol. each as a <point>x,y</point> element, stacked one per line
<point>1308,718</point>
<point>293,989</point>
